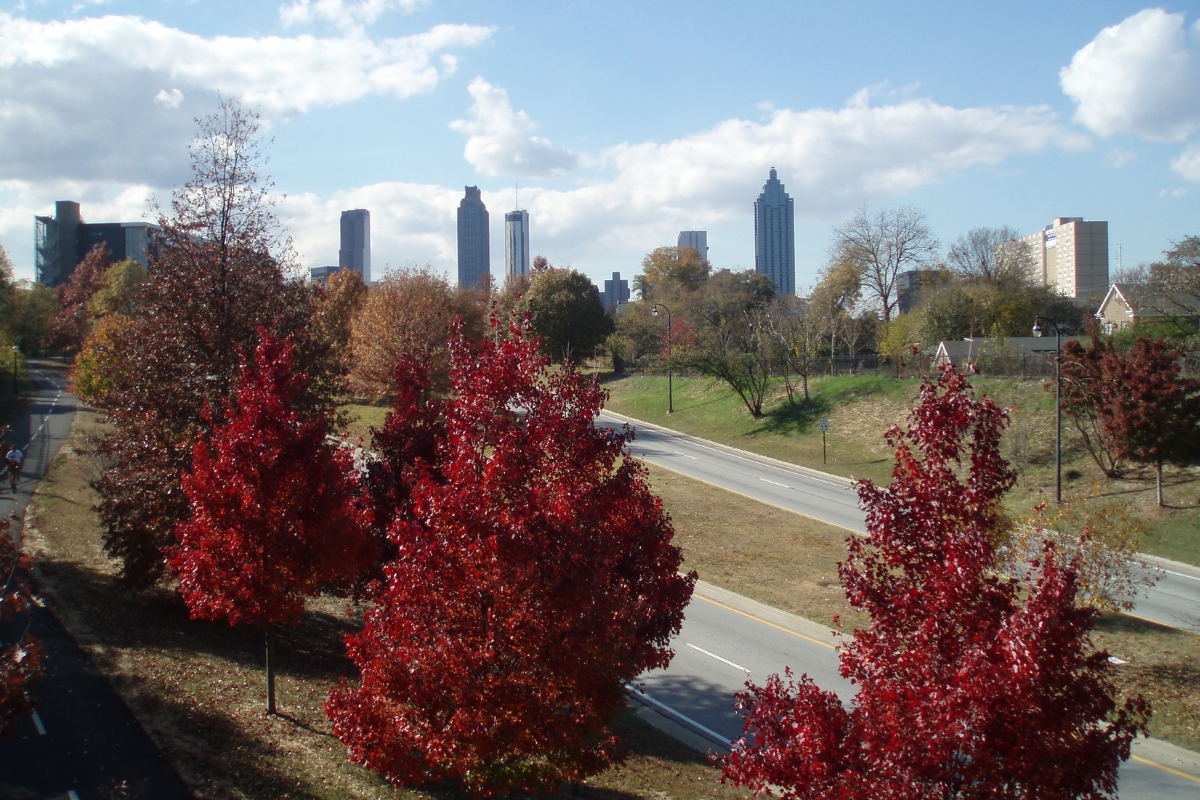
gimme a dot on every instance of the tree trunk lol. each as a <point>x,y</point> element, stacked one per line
<point>270,671</point>
<point>1158,481</point>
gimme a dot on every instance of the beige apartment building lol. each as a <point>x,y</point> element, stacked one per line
<point>1072,256</point>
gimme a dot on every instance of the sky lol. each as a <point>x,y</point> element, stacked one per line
<point>616,124</point>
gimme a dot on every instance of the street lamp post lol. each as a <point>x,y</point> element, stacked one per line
<point>1037,331</point>
<point>670,366</point>
<point>16,350</point>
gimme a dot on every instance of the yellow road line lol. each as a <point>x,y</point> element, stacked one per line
<point>1171,770</point>
<point>764,622</point>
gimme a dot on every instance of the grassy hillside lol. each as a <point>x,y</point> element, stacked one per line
<point>860,410</point>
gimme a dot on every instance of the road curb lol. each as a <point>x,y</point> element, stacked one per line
<point>794,623</point>
<point>1164,755</point>
<point>809,471</point>
<point>1166,563</point>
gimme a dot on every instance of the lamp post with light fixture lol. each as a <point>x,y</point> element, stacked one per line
<point>670,366</point>
<point>1037,331</point>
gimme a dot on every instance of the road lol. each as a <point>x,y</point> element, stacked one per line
<point>83,740</point>
<point>727,638</point>
<point>1174,600</point>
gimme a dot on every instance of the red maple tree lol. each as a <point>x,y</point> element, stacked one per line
<point>275,512</point>
<point>533,576</point>
<point>966,689</point>
<point>1148,408</point>
<point>20,654</point>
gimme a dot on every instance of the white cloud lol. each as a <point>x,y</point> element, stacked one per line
<point>410,224</point>
<point>1187,163</point>
<point>831,160</point>
<point>344,14</point>
<point>60,81</point>
<point>1117,158</point>
<point>1140,76</point>
<point>500,140</point>
<point>170,99</point>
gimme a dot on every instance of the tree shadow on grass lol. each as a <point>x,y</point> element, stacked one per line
<point>158,619</point>
<point>214,753</point>
<point>790,419</point>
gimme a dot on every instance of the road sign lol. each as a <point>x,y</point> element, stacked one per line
<point>823,424</point>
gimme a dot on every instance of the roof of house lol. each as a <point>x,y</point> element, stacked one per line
<point>957,352</point>
<point>1147,301</point>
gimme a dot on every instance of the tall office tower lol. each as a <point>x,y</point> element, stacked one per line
<point>697,240</point>
<point>616,291</point>
<point>516,243</point>
<point>775,235</point>
<point>1070,256</point>
<point>355,254</point>
<point>474,254</point>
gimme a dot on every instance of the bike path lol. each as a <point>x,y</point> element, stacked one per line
<point>83,740</point>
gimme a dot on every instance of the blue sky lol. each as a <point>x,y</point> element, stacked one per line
<point>622,122</point>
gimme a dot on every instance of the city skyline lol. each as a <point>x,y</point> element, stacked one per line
<point>970,114</point>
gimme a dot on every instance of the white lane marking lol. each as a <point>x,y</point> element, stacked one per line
<point>685,455</point>
<point>1179,574</point>
<point>775,483</point>
<point>709,732</point>
<point>770,466</point>
<point>718,658</point>
<point>37,723</point>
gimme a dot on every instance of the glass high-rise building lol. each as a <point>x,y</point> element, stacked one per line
<point>355,253</point>
<point>697,240</point>
<point>474,253</point>
<point>775,235</point>
<point>516,243</point>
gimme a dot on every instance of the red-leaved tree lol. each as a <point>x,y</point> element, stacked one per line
<point>275,512</point>
<point>966,687</point>
<point>1149,409</point>
<point>533,576</point>
<point>20,653</point>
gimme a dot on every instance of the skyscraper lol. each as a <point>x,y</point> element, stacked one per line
<point>697,240</point>
<point>355,254</point>
<point>516,243</point>
<point>775,235</point>
<point>474,253</point>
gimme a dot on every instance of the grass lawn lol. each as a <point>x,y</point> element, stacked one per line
<point>861,408</point>
<point>198,687</point>
<point>790,562</point>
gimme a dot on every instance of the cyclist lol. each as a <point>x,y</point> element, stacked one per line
<point>13,460</point>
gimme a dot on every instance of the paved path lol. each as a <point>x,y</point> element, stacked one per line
<point>83,739</point>
<point>1174,600</point>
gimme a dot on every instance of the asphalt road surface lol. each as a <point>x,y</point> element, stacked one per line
<point>83,741</point>
<point>727,639</point>
<point>1174,600</point>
